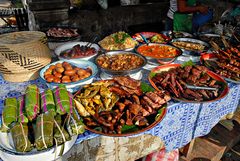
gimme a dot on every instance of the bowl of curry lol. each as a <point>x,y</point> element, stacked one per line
<point>159,53</point>
<point>120,62</point>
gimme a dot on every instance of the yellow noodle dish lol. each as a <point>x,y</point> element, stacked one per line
<point>118,41</point>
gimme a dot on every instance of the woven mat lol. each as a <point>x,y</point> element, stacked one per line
<point>5,4</point>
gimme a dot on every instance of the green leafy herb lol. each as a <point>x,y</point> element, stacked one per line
<point>160,111</point>
<point>127,128</point>
<point>188,63</point>
<point>146,87</point>
<point>152,74</point>
<point>120,37</point>
<point>98,129</point>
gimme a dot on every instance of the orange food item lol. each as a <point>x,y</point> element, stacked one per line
<point>68,67</point>
<point>56,80</point>
<point>65,73</point>
<point>58,65</point>
<point>48,72</point>
<point>49,78</point>
<point>65,64</point>
<point>59,69</point>
<point>65,77</point>
<point>70,72</point>
<point>52,67</point>
<point>58,75</point>
<point>66,81</point>
<point>46,75</point>
<point>158,51</point>
<point>75,78</point>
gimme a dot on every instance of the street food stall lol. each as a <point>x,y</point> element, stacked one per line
<point>117,97</point>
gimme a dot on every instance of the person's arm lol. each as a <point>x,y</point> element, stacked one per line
<point>183,7</point>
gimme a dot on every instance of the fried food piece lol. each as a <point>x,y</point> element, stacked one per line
<point>127,82</point>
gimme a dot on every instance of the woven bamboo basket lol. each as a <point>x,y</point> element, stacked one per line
<point>22,55</point>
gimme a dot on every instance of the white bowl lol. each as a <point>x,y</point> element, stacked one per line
<point>73,86</point>
<point>70,45</point>
<point>8,152</point>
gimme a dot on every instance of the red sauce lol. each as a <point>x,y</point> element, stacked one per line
<point>158,51</point>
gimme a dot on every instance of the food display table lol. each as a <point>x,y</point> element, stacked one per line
<point>182,123</point>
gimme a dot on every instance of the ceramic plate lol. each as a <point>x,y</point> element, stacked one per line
<point>69,46</point>
<point>73,86</point>
<point>159,69</point>
<point>152,119</point>
<point>148,36</point>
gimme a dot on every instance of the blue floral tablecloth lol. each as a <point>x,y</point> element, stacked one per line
<point>182,123</point>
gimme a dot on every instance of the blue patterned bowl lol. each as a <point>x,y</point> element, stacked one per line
<point>73,86</point>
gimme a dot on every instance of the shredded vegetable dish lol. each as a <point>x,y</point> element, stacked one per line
<point>158,51</point>
<point>120,62</point>
<point>118,41</point>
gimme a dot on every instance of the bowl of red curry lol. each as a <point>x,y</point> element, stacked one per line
<point>159,53</point>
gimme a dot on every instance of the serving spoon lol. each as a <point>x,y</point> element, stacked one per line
<point>200,87</point>
<point>144,38</point>
<point>89,44</point>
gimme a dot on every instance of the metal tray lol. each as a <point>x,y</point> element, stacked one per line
<point>177,34</point>
<point>63,39</point>
<point>192,52</point>
<point>214,37</point>
<point>121,72</point>
<point>156,61</point>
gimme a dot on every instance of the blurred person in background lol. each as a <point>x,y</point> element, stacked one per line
<point>186,15</point>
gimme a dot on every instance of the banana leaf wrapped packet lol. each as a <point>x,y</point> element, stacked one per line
<point>21,113</point>
<point>32,101</point>
<point>19,134</point>
<point>43,131</point>
<point>47,102</point>
<point>61,97</point>
<point>75,124</point>
<point>60,134</point>
<point>9,114</point>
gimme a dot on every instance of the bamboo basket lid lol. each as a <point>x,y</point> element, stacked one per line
<point>22,54</point>
<point>20,38</point>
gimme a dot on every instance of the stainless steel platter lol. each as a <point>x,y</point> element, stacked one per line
<point>207,37</point>
<point>121,72</point>
<point>191,52</point>
<point>177,34</point>
<point>163,60</point>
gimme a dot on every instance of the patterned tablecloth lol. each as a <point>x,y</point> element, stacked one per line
<point>182,123</point>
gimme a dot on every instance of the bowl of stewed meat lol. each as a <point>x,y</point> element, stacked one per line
<point>120,62</point>
<point>77,50</point>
